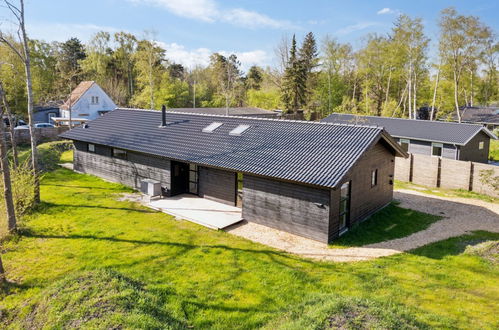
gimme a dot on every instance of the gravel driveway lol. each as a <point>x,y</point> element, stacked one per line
<point>461,215</point>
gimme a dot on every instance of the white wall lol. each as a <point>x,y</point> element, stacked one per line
<point>84,108</point>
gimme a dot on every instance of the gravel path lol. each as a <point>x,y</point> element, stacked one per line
<point>459,215</point>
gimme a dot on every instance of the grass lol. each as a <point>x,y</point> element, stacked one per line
<point>494,150</point>
<point>182,274</point>
<point>389,223</point>
<point>445,192</point>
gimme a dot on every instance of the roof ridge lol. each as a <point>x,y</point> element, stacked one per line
<point>406,119</point>
<point>255,118</point>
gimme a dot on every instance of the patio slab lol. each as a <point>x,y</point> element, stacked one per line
<point>202,211</point>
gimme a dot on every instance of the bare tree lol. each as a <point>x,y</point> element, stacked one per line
<point>7,184</point>
<point>24,54</point>
<point>13,142</point>
<point>432,113</point>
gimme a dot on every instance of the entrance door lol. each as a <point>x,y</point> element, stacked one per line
<point>344,207</point>
<point>179,178</point>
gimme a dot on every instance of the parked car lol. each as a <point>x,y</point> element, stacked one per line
<point>37,125</point>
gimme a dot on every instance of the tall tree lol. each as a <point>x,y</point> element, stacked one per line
<point>227,74</point>
<point>460,40</point>
<point>294,87</point>
<point>254,78</point>
<point>7,184</point>
<point>70,53</point>
<point>24,54</point>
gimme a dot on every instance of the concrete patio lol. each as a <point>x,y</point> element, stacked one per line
<point>202,211</point>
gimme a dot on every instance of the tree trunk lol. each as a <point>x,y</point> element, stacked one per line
<point>7,184</point>
<point>29,87</point>
<point>432,113</point>
<point>388,86</point>
<point>13,142</point>
<point>456,100</point>
<point>2,271</point>
<point>414,96</point>
<point>471,87</point>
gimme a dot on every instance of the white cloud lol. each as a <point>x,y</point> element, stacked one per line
<point>252,19</point>
<point>201,56</point>
<point>356,27</point>
<point>386,11</point>
<point>209,11</point>
<point>204,10</point>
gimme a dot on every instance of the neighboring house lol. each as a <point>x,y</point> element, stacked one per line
<point>466,142</point>
<point>45,113</point>
<point>311,179</point>
<point>240,111</point>
<point>487,116</point>
<point>87,101</point>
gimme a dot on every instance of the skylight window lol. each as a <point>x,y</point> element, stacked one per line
<point>211,127</point>
<point>239,130</point>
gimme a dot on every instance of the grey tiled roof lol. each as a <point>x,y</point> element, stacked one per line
<point>436,131</point>
<point>479,115</point>
<point>308,152</point>
<point>240,111</point>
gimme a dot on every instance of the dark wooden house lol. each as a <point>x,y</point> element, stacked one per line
<point>468,142</point>
<point>311,179</point>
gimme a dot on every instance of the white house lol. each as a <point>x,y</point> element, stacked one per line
<point>87,101</point>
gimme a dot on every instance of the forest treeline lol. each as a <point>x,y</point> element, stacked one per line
<point>391,74</point>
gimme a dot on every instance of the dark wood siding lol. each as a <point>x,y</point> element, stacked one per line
<point>217,185</point>
<point>471,151</point>
<point>365,200</point>
<point>129,172</point>
<point>295,208</point>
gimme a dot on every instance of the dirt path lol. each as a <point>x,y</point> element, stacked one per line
<point>459,215</point>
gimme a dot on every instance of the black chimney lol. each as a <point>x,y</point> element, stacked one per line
<point>163,116</point>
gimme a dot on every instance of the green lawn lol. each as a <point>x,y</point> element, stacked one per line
<point>445,192</point>
<point>85,259</point>
<point>494,150</point>
<point>389,223</point>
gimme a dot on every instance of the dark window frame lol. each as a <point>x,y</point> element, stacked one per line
<point>437,146</point>
<point>404,144</point>
<point>116,154</point>
<point>194,171</point>
<point>374,178</point>
<point>344,211</point>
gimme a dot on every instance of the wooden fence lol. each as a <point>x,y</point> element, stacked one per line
<point>448,173</point>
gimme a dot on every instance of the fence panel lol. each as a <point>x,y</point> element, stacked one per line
<point>484,178</point>
<point>455,174</point>
<point>425,170</point>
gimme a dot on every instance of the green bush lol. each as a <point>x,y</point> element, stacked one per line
<point>22,189</point>
<point>49,154</point>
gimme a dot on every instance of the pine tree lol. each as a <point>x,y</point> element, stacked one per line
<point>295,81</point>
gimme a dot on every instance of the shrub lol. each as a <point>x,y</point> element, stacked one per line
<point>22,189</point>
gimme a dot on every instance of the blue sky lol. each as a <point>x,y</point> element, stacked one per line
<point>192,29</point>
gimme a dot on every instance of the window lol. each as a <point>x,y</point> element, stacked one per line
<point>481,145</point>
<point>91,147</point>
<point>193,179</point>
<point>344,207</point>
<point>239,130</point>
<point>211,127</point>
<point>404,143</point>
<point>374,178</point>
<point>95,99</point>
<point>436,149</point>
<point>119,153</point>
